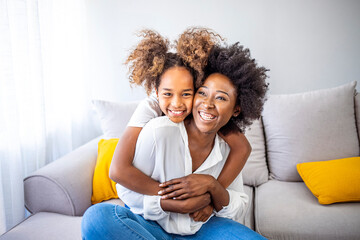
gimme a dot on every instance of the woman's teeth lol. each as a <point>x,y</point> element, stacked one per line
<point>206,116</point>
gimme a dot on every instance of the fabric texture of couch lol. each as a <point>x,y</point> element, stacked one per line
<point>314,126</point>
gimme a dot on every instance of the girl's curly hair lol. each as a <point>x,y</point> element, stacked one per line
<point>194,46</point>
<point>150,59</point>
<point>248,78</point>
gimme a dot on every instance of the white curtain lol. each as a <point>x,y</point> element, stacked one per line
<point>44,96</point>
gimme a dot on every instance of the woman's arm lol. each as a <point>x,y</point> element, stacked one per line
<point>240,150</point>
<point>122,170</point>
<point>188,205</point>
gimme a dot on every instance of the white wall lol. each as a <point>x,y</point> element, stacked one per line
<point>306,44</point>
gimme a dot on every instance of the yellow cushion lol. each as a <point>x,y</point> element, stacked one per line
<point>103,187</point>
<point>333,181</point>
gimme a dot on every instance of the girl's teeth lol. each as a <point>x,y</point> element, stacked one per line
<point>176,112</point>
<point>206,116</point>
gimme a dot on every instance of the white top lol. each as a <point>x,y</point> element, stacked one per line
<point>146,110</point>
<point>165,155</point>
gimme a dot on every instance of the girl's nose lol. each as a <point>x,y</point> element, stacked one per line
<point>176,102</point>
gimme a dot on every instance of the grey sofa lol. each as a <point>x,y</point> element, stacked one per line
<point>280,207</point>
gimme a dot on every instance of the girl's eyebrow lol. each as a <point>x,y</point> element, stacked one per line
<point>216,90</point>
<point>185,90</point>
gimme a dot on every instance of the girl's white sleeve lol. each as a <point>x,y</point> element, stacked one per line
<point>146,110</point>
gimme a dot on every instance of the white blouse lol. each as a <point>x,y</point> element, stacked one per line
<point>146,110</point>
<point>162,153</point>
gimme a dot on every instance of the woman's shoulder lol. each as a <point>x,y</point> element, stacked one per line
<point>161,122</point>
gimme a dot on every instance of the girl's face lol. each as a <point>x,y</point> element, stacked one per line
<point>175,93</point>
<point>215,103</point>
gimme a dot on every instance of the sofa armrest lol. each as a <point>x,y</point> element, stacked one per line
<point>65,185</point>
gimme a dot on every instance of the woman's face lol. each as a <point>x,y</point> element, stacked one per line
<point>214,103</point>
<point>175,93</point>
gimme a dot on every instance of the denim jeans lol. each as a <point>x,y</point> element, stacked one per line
<point>109,221</point>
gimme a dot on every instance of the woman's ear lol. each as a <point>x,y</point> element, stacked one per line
<point>237,111</point>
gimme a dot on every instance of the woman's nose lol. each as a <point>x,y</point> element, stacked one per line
<point>208,103</point>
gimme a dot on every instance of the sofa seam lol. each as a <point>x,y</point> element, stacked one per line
<point>256,225</point>
<point>63,189</point>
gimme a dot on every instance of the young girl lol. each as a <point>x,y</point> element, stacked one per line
<point>172,77</point>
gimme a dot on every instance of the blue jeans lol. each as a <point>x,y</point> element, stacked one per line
<point>109,221</point>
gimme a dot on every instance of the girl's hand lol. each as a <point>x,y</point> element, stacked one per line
<point>203,214</point>
<point>186,187</point>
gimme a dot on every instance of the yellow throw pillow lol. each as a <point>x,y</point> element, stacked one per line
<point>333,181</point>
<point>103,187</point>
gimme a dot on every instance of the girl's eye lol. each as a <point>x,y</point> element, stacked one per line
<point>167,94</point>
<point>187,94</point>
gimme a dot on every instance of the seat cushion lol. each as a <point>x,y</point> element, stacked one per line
<point>288,210</point>
<point>45,226</point>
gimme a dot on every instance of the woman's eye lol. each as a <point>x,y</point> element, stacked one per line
<point>201,93</point>
<point>221,98</point>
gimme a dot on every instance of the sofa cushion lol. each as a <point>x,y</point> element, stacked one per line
<point>255,171</point>
<point>309,127</point>
<point>288,210</point>
<point>357,111</point>
<point>114,116</point>
<point>333,181</point>
<point>45,226</point>
<point>103,187</point>
<point>247,218</point>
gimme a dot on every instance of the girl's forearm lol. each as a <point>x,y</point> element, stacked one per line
<point>122,170</point>
<point>240,150</point>
<point>219,195</point>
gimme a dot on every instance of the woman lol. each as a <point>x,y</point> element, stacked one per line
<point>233,93</point>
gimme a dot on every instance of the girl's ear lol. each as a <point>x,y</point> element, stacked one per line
<point>237,111</point>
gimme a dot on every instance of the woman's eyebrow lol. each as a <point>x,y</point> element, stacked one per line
<point>223,92</point>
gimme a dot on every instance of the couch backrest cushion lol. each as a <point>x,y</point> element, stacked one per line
<point>357,111</point>
<point>306,127</point>
<point>255,171</point>
<point>114,116</point>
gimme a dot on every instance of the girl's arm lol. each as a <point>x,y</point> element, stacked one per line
<point>240,150</point>
<point>122,170</point>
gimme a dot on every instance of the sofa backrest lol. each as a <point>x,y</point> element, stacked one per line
<point>306,127</point>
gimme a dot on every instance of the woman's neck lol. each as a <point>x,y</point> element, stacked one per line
<point>200,144</point>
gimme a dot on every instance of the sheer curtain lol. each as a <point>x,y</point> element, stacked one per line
<point>44,97</point>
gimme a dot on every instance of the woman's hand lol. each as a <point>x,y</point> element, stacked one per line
<point>186,187</point>
<point>189,205</point>
<point>203,214</point>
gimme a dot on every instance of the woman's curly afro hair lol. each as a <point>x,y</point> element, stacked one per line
<point>248,78</point>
